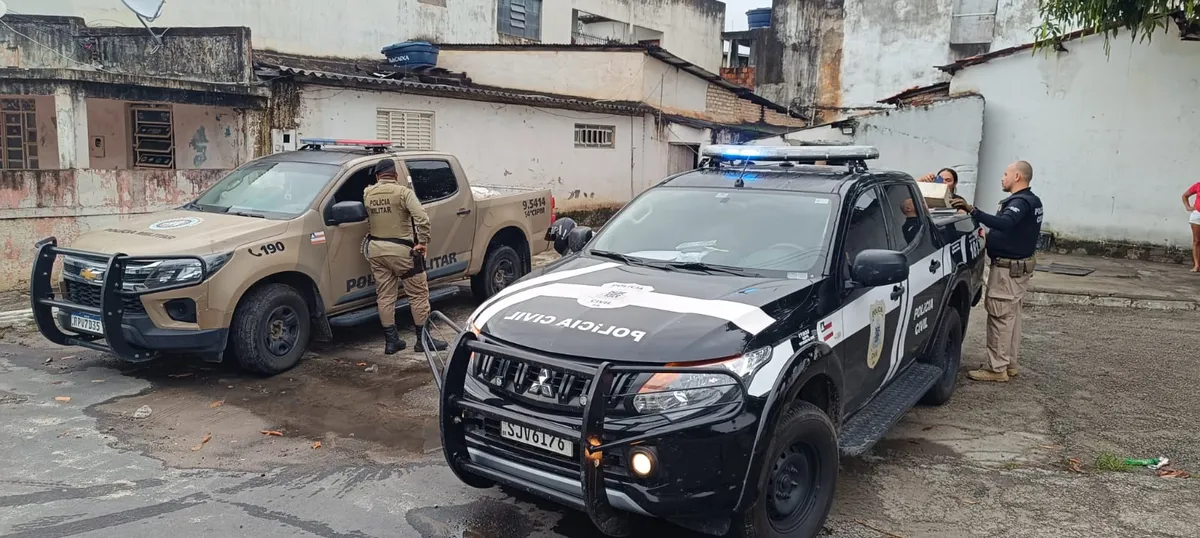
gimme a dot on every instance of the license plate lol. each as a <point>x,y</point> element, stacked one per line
<point>537,439</point>
<point>87,322</point>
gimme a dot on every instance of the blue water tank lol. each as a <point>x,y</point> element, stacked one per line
<point>759,18</point>
<point>412,54</point>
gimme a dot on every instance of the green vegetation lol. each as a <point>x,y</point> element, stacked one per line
<point>1141,18</point>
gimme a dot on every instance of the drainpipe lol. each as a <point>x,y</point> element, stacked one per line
<point>631,38</point>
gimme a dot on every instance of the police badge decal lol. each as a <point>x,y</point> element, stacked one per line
<point>875,347</point>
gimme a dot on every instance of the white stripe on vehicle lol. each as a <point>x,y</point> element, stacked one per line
<point>919,280</point>
<point>547,278</point>
<point>749,318</point>
<point>763,382</point>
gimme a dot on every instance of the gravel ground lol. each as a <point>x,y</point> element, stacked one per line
<point>991,463</point>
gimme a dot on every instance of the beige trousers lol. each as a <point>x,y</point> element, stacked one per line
<point>1005,297</point>
<point>387,271</point>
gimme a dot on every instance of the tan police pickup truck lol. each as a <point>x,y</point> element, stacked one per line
<point>270,255</point>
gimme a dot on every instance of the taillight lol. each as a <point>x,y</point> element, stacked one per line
<point>553,216</point>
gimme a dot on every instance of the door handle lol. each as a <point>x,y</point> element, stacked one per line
<point>897,291</point>
<point>463,211</point>
<point>934,265</point>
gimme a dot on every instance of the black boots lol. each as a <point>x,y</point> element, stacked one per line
<point>420,347</point>
<point>394,343</point>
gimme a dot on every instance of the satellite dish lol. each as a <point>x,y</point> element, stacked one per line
<point>3,8</point>
<point>147,10</point>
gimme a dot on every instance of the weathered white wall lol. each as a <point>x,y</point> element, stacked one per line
<point>1112,140</point>
<point>613,76</point>
<point>918,140</point>
<point>496,143</point>
<point>207,137</point>
<point>691,29</point>
<point>108,118</point>
<point>885,47</point>
<point>348,28</point>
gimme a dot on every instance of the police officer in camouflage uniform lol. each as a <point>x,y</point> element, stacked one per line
<point>395,247</point>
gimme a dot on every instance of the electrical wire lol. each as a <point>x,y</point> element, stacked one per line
<point>56,51</point>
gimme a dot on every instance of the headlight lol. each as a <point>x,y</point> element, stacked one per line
<point>680,391</point>
<point>184,271</point>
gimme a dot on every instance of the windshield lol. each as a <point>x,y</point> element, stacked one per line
<point>755,231</point>
<point>267,188</point>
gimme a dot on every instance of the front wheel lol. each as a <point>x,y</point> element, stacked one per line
<point>947,355</point>
<point>796,485</point>
<point>270,329</point>
<point>502,267</point>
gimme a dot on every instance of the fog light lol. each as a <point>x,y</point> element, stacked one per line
<point>642,463</point>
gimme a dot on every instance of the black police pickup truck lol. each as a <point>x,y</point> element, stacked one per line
<point>706,356</point>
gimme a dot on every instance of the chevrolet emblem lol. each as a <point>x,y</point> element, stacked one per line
<point>91,275</point>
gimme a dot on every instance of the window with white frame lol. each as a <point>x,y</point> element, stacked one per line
<point>407,129</point>
<point>20,134</point>
<point>595,136</point>
<point>152,136</point>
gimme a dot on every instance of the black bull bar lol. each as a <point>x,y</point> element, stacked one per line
<point>112,293</point>
<point>591,434</point>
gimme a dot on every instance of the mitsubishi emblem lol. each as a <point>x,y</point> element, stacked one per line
<point>542,385</point>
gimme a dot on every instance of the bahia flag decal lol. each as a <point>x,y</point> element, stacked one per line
<point>317,238</point>
<point>826,330</point>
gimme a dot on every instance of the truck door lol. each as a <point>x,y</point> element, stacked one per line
<point>869,317</point>
<point>911,232</point>
<point>347,272</point>
<point>451,207</point>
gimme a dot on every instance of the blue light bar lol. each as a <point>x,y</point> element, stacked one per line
<point>791,153</point>
<point>345,142</point>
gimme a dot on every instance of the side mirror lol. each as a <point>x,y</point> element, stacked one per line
<point>559,233</point>
<point>578,238</point>
<point>347,212</point>
<point>873,268</point>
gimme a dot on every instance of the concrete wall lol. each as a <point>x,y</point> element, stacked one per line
<point>614,76</point>
<point>512,145</point>
<point>36,204</point>
<point>208,137</point>
<point>851,53</point>
<point>691,29</point>
<point>346,28</point>
<point>919,140</point>
<point>1112,140</point>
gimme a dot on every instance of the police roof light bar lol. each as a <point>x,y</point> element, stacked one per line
<point>728,152</point>
<point>317,143</point>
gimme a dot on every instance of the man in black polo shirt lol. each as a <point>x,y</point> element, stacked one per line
<point>1011,243</point>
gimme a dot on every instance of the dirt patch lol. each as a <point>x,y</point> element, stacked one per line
<point>14,300</point>
<point>328,399</point>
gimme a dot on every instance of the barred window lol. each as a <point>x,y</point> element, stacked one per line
<point>407,129</point>
<point>594,136</point>
<point>153,136</point>
<point>20,134</point>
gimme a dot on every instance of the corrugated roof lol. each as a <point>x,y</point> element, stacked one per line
<point>653,51</point>
<point>989,56</point>
<point>273,65</point>
<point>939,89</point>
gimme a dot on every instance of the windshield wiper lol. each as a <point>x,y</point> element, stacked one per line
<point>245,214</point>
<point>617,256</point>
<point>698,266</point>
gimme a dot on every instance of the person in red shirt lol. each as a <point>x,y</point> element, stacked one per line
<point>1194,219</point>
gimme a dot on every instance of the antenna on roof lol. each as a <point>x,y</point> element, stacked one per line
<point>147,11</point>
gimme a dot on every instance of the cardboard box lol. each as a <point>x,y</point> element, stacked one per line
<point>937,195</point>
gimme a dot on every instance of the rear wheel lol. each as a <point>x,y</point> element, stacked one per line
<point>796,484</point>
<point>502,267</point>
<point>270,329</point>
<point>947,355</point>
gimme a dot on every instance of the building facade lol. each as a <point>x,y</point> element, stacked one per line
<point>360,28</point>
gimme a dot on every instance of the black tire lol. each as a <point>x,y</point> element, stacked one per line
<point>270,329</point>
<point>947,355</point>
<point>502,267</point>
<point>804,452</point>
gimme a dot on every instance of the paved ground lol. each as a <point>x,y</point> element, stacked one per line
<point>1119,283</point>
<point>991,463</point>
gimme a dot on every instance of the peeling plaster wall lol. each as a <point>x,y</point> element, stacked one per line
<point>1112,140</point>
<point>917,140</point>
<point>207,137</point>
<point>107,119</point>
<point>511,145</point>
<point>65,203</point>
<point>851,53</point>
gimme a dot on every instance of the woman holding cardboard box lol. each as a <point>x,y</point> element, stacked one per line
<point>947,176</point>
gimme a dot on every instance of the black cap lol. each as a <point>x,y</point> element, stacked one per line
<point>385,166</point>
